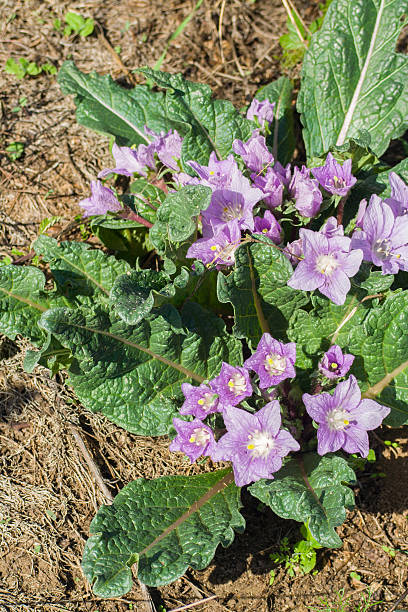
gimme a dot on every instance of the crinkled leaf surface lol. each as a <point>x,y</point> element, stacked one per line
<point>132,374</point>
<point>79,270</point>
<point>257,289</point>
<point>134,294</point>
<point>22,302</point>
<point>311,490</point>
<point>104,106</point>
<point>352,79</point>
<point>206,124</point>
<point>177,216</point>
<point>168,524</point>
<point>282,139</point>
<point>381,344</point>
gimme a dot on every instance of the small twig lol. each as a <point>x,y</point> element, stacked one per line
<point>220,29</point>
<point>403,596</point>
<point>115,55</point>
<point>294,9</point>
<point>193,605</point>
<point>295,25</point>
<point>91,464</point>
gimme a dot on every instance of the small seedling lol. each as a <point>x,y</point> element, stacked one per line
<point>22,102</point>
<point>77,25</point>
<point>303,558</point>
<point>15,150</point>
<point>22,67</point>
<point>355,576</point>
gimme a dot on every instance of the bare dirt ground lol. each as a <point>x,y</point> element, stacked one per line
<point>48,492</point>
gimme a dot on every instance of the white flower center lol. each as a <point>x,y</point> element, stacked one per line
<point>200,436</point>
<point>382,248</point>
<point>326,264</point>
<point>275,364</point>
<point>237,384</point>
<point>338,182</point>
<point>260,443</point>
<point>338,419</point>
<point>231,211</point>
<point>207,401</point>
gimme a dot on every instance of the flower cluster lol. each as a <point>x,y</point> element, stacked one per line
<point>256,443</point>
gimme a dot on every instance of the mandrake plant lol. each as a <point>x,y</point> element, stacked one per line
<point>253,309</point>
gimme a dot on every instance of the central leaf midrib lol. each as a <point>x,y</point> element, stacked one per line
<point>24,300</point>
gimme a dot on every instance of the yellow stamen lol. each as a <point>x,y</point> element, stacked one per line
<point>192,439</point>
<point>334,365</point>
<point>201,402</point>
<point>214,247</point>
<point>346,422</point>
<point>211,172</point>
<point>251,446</point>
<point>265,230</point>
<point>231,383</point>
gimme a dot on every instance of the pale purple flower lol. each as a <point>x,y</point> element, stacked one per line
<point>331,228</point>
<point>194,438</point>
<point>360,213</point>
<point>218,174</point>
<point>102,200</point>
<point>294,251</point>
<point>129,161</point>
<point>327,265</point>
<point>254,443</point>
<point>273,361</point>
<point>167,146</point>
<point>262,111</point>
<point>218,249</point>
<point>182,178</point>
<point>232,385</point>
<point>334,177</point>
<point>254,152</point>
<point>284,173</point>
<point>269,226</point>
<point>271,187</point>
<point>344,418</point>
<point>335,363</point>
<point>399,195</point>
<point>200,401</point>
<point>306,192</point>
<point>228,206</point>
<point>383,238</point>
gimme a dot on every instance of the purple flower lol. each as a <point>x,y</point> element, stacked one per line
<point>399,195</point>
<point>232,385</point>
<point>218,249</point>
<point>130,160</point>
<point>306,192</point>
<point>102,200</point>
<point>383,238</point>
<point>262,111</point>
<point>327,265</point>
<point>228,206</point>
<point>284,173</point>
<point>218,174</point>
<point>334,177</point>
<point>273,361</point>
<point>168,149</point>
<point>254,443</point>
<point>254,152</point>
<point>294,251</point>
<point>271,186</point>
<point>331,228</point>
<point>200,401</point>
<point>194,438</point>
<point>269,226</point>
<point>344,418</point>
<point>335,363</point>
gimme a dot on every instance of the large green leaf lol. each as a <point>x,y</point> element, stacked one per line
<point>22,302</point>
<point>132,374</point>
<point>177,216</point>
<point>166,525</point>
<point>104,106</point>
<point>381,344</point>
<point>79,270</point>
<point>283,135</point>
<point>352,79</point>
<point>311,490</point>
<point>258,292</point>
<point>206,125</point>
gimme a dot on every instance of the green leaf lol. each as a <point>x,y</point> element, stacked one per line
<point>177,216</point>
<point>22,302</point>
<point>327,323</point>
<point>166,524</point>
<point>381,344</point>
<point>282,138</point>
<point>75,21</point>
<point>134,294</point>
<point>104,106</point>
<point>19,69</point>
<point>352,79</point>
<point>79,270</point>
<point>258,292</point>
<point>311,490</point>
<point>132,374</point>
<point>206,125</point>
